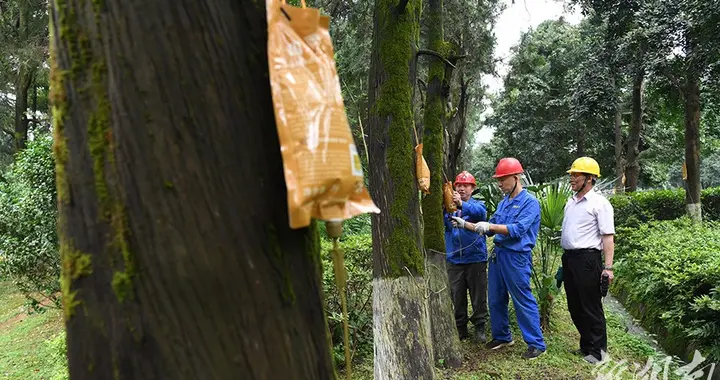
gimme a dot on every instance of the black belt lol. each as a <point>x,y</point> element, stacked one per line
<point>581,251</point>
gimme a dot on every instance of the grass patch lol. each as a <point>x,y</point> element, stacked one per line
<point>557,363</point>
<point>31,346</point>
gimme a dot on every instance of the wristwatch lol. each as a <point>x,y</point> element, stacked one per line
<point>608,267</point>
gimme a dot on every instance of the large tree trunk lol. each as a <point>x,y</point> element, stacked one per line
<point>177,261</point>
<point>692,146</point>
<point>619,162</point>
<point>400,316</point>
<point>445,339</point>
<point>632,168</point>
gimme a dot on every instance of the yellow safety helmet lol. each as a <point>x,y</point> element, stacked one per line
<point>585,165</point>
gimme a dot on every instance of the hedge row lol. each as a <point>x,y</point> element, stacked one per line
<point>668,274</point>
<point>640,207</point>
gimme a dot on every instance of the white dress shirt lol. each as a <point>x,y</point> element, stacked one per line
<point>586,220</point>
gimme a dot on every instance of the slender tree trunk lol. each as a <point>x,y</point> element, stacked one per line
<point>455,130</point>
<point>445,339</point>
<point>692,146</point>
<point>619,162</point>
<point>632,168</point>
<point>34,104</point>
<point>22,88</point>
<point>176,264</point>
<point>401,330</point>
<point>580,146</point>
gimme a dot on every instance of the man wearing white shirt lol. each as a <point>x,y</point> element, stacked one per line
<point>587,235</point>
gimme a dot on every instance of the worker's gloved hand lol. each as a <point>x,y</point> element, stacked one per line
<point>482,227</point>
<point>458,222</point>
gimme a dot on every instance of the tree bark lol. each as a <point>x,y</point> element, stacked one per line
<point>445,339</point>
<point>692,146</point>
<point>401,324</point>
<point>632,168</point>
<point>22,88</point>
<point>619,162</point>
<point>177,262</point>
<point>455,131</point>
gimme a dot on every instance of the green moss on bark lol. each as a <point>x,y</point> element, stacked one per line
<point>433,233</point>
<point>88,76</point>
<point>58,101</point>
<point>75,264</point>
<point>398,46</point>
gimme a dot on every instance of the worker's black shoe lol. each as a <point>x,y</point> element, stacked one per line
<point>532,353</point>
<point>480,334</point>
<point>495,344</point>
<point>463,332</point>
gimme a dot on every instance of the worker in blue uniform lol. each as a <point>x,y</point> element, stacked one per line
<point>515,225</point>
<point>467,259</point>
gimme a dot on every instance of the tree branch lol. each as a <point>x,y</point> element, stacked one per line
<point>674,80</point>
<point>455,58</point>
<point>435,54</point>
<point>421,83</point>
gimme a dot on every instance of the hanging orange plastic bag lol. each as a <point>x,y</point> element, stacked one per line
<point>322,168</point>
<point>450,206</point>
<point>422,169</point>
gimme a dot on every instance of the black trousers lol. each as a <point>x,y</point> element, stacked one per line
<point>471,278</point>
<point>581,272</point>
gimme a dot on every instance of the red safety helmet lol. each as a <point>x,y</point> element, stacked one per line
<point>465,178</point>
<point>508,166</point>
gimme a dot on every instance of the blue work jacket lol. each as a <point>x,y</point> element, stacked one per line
<point>521,215</point>
<point>463,246</point>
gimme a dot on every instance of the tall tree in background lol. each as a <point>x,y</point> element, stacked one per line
<point>533,114</point>
<point>401,327</point>
<point>24,43</point>
<point>445,339</point>
<point>468,32</point>
<point>172,265</point>
<point>690,26</point>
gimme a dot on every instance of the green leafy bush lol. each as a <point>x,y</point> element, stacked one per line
<point>669,273</point>
<point>640,207</point>
<point>359,225</point>
<point>552,198</point>
<point>28,229</point>
<point>358,263</point>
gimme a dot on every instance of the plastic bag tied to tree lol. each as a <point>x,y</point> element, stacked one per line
<point>321,164</point>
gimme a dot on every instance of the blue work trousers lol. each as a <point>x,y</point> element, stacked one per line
<point>509,272</point>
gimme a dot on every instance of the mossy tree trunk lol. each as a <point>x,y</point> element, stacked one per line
<point>692,145</point>
<point>446,343</point>
<point>177,259</point>
<point>400,317</point>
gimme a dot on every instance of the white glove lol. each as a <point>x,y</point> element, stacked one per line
<point>458,222</point>
<point>482,227</point>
